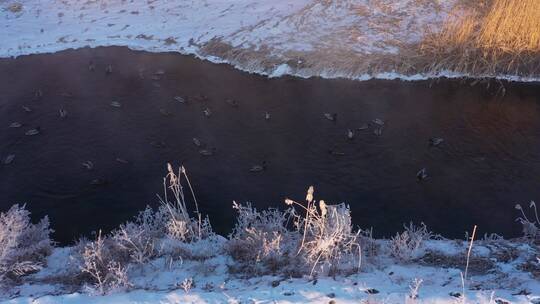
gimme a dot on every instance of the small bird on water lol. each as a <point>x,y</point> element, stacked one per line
<point>435,141</point>
<point>232,102</point>
<point>378,122</point>
<point>63,113</point>
<point>258,168</point>
<point>9,159</point>
<point>197,142</point>
<point>180,99</point>
<point>108,69</point>
<point>15,125</point>
<point>331,116</point>
<point>88,165</point>
<point>207,152</point>
<point>267,116</point>
<point>350,134</point>
<point>207,112</point>
<point>33,132</point>
<point>422,175</point>
<point>116,104</point>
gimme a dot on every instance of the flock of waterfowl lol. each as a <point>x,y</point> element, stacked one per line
<point>376,124</point>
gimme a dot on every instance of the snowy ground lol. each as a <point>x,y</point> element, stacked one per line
<point>340,38</point>
<point>496,275</point>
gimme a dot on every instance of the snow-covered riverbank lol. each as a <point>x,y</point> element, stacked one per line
<point>333,39</point>
<point>496,275</point>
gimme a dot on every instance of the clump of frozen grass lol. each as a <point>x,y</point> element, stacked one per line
<point>328,243</point>
<point>139,238</point>
<point>23,245</point>
<point>260,239</point>
<point>317,241</point>
<point>168,232</point>
<point>102,261</point>
<point>180,225</point>
<point>406,245</point>
<point>530,228</point>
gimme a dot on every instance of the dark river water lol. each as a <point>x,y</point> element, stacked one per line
<point>489,160</point>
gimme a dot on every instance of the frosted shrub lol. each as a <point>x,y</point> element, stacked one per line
<point>328,242</point>
<point>260,240</point>
<point>530,228</point>
<point>406,245</point>
<point>140,238</point>
<point>23,245</point>
<point>103,263</point>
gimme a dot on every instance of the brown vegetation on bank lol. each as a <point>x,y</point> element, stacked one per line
<point>488,37</point>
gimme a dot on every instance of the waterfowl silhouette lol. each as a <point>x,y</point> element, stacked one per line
<point>258,168</point>
<point>207,152</point>
<point>116,104</point>
<point>331,116</point>
<point>435,141</point>
<point>38,94</point>
<point>180,99</point>
<point>33,132</point>
<point>378,122</point>
<point>422,175</point>
<point>63,113</point>
<point>9,159</point>
<point>108,69</point>
<point>88,165</point>
<point>232,102</point>
<point>15,124</point>
<point>165,112</point>
<point>121,160</point>
<point>350,134</point>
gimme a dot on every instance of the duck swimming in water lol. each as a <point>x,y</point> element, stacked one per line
<point>350,134</point>
<point>88,165</point>
<point>435,141</point>
<point>9,159</point>
<point>207,152</point>
<point>232,102</point>
<point>258,168</point>
<point>38,94</point>
<point>33,132</point>
<point>63,113</point>
<point>116,104</point>
<point>378,122</point>
<point>331,116</point>
<point>180,99</point>
<point>422,175</point>
<point>108,69</point>
<point>15,125</point>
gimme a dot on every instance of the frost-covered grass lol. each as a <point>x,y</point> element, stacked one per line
<point>305,252</point>
<point>358,39</point>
